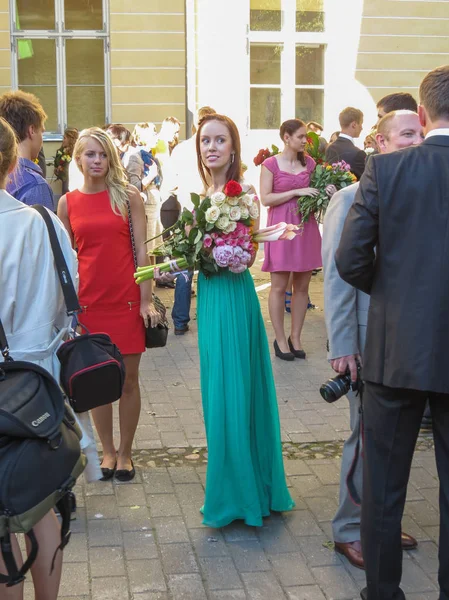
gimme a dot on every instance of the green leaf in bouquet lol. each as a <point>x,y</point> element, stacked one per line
<point>192,235</point>
<point>195,200</point>
<point>209,226</point>
<point>187,217</point>
<point>198,246</point>
<point>199,237</point>
<point>274,149</point>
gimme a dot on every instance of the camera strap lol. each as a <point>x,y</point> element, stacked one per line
<point>352,488</point>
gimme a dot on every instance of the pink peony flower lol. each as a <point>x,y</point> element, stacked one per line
<point>223,255</point>
<point>238,269</point>
<point>208,241</point>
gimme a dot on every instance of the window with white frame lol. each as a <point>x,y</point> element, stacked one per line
<point>287,45</point>
<point>60,53</point>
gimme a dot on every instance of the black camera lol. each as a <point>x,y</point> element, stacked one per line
<point>340,385</point>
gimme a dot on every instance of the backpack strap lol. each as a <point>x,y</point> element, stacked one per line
<point>68,289</point>
<point>64,506</point>
<point>15,575</point>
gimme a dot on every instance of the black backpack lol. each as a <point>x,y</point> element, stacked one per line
<point>40,456</point>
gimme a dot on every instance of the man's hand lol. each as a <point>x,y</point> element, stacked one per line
<point>343,363</point>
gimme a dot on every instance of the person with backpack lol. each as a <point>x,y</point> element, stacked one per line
<point>33,314</point>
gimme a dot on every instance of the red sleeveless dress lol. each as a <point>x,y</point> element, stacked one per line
<point>108,295</point>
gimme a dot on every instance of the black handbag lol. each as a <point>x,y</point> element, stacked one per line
<point>155,337</point>
<point>92,368</point>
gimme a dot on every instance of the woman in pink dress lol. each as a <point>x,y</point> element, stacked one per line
<point>283,179</point>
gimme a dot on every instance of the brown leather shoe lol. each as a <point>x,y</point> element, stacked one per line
<point>408,542</point>
<point>352,551</point>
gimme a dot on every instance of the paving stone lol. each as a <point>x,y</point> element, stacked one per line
<point>249,556</point>
<point>105,532</point>
<point>146,576</point>
<point>174,439</point>
<point>139,545</point>
<point>107,562</point>
<point>220,573</point>
<point>186,587</point>
<point>75,576</point>
<point>228,595</point>
<point>276,539</point>
<point>239,532</point>
<point>336,582</point>
<point>262,585</point>
<point>163,505</point>
<point>178,558</point>
<point>317,552</point>
<point>110,588</point>
<point>163,410</point>
<point>171,531</point>
<point>106,506</point>
<point>297,467</point>
<point>183,475</point>
<point>291,569</point>
<point>130,495</point>
<point>307,592</point>
<point>157,482</point>
<point>208,542</point>
<point>302,522</point>
<point>135,518</point>
<point>76,550</point>
<point>414,579</point>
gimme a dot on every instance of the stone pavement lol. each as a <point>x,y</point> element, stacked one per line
<point>145,540</point>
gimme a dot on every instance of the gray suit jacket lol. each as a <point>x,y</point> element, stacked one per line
<point>345,307</point>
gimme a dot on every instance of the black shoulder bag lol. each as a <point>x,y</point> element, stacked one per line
<point>92,368</point>
<point>155,337</point>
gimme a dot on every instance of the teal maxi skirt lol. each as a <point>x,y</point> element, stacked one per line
<point>245,473</point>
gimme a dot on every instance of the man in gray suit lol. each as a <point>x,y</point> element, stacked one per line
<point>346,311</point>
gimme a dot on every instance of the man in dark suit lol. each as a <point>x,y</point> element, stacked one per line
<point>402,210</point>
<point>351,123</point>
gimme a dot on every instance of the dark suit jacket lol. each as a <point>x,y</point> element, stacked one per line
<point>344,149</point>
<point>402,210</point>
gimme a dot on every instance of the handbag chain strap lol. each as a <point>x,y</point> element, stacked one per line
<point>4,348</point>
<point>131,233</point>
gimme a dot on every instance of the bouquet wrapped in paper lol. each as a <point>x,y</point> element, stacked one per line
<point>218,234</point>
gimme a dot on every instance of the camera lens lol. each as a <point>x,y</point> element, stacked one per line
<point>335,388</point>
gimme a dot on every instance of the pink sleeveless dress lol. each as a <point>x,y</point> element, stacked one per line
<point>304,252</point>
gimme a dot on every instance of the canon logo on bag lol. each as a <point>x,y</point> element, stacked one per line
<point>40,420</point>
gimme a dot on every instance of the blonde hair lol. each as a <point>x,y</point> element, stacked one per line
<point>8,149</point>
<point>116,181</point>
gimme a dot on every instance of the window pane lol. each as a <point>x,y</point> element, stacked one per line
<point>265,64</point>
<point>85,83</point>
<point>265,108</point>
<point>35,14</point>
<point>309,105</point>
<point>309,65</point>
<point>37,75</point>
<point>265,15</point>
<point>83,14</point>
<point>309,15</point>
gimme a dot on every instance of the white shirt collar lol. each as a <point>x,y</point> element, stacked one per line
<point>441,131</point>
<point>346,136</point>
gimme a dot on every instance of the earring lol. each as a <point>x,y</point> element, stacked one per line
<point>232,158</point>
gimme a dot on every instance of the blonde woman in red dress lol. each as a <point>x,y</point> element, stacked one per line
<point>96,218</point>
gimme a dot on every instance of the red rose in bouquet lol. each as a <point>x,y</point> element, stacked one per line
<point>262,155</point>
<point>232,189</point>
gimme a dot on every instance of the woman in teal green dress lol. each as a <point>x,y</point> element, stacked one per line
<point>245,473</point>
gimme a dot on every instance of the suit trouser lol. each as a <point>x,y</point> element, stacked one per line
<point>346,523</point>
<point>392,418</point>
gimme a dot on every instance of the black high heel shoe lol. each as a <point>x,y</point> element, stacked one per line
<point>296,353</point>
<point>282,355</point>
